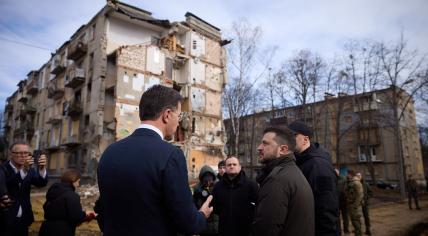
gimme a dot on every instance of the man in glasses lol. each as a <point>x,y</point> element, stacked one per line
<point>143,179</point>
<point>20,173</point>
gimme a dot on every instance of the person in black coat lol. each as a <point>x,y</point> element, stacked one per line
<point>234,198</point>
<point>315,164</point>
<point>21,172</point>
<point>143,178</point>
<point>63,211</point>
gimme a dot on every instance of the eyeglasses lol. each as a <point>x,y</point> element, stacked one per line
<point>180,115</point>
<point>21,153</point>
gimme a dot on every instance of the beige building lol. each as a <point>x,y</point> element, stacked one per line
<point>352,128</point>
<point>86,96</point>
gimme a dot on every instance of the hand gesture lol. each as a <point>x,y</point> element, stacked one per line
<point>205,208</point>
<point>42,162</point>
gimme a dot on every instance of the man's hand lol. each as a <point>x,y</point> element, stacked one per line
<point>5,202</point>
<point>42,162</point>
<point>29,161</point>
<point>205,208</point>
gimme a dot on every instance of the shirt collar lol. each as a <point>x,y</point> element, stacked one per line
<point>151,127</point>
<point>13,167</point>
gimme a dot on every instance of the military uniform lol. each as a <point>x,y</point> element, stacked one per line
<point>368,193</point>
<point>343,208</point>
<point>412,191</point>
<point>354,199</point>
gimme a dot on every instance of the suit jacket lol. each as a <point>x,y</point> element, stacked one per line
<point>18,190</point>
<point>144,188</point>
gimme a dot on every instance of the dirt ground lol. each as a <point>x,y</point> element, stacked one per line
<point>389,216</point>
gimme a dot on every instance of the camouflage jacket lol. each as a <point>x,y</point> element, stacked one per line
<point>354,192</point>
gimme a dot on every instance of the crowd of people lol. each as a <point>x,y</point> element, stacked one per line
<point>144,190</point>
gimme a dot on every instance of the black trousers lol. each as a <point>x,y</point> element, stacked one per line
<point>366,216</point>
<point>413,195</point>
<point>18,228</point>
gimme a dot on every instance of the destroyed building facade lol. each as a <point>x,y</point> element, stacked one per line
<point>86,96</point>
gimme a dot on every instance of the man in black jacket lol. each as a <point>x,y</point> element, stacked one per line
<point>315,164</point>
<point>285,204</point>
<point>20,176</point>
<point>234,198</point>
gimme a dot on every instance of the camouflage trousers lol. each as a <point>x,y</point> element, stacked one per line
<point>355,214</point>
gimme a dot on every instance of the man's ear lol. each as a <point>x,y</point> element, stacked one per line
<point>283,149</point>
<point>165,116</point>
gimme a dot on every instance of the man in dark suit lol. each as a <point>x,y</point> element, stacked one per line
<point>143,179</point>
<point>19,176</point>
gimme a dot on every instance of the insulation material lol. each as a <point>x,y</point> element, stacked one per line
<point>155,60</point>
<point>125,78</point>
<point>127,119</point>
<point>214,78</point>
<point>129,96</point>
<point>213,134</point>
<point>197,71</point>
<point>199,158</point>
<point>197,45</point>
<point>198,99</point>
<point>213,103</point>
<point>132,57</point>
<point>151,81</point>
<point>213,52</point>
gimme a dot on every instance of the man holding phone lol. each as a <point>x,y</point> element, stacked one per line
<point>20,173</point>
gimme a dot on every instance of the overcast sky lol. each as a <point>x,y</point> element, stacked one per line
<point>319,25</point>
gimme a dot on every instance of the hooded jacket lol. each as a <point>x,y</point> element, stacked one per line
<point>63,211</point>
<point>234,201</point>
<point>315,164</point>
<point>285,204</point>
<point>200,195</point>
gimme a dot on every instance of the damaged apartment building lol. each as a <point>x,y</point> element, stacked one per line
<point>357,131</point>
<point>86,96</point>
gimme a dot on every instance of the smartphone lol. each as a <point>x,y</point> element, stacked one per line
<point>36,155</point>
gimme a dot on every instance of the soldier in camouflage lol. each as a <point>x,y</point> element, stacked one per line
<point>354,199</point>
<point>368,193</point>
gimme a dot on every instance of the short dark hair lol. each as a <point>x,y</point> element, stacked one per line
<point>283,136</point>
<point>232,156</point>
<point>156,99</point>
<point>351,173</point>
<point>70,176</point>
<point>19,142</point>
<point>221,163</point>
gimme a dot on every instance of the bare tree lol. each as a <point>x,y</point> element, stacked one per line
<point>403,70</point>
<point>363,67</point>
<point>243,57</point>
<point>304,72</point>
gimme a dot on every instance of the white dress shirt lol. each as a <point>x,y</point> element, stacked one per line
<point>23,175</point>
<point>151,127</point>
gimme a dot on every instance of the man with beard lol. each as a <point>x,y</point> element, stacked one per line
<point>234,198</point>
<point>315,164</point>
<point>285,204</point>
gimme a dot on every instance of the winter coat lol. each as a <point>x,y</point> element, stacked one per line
<point>18,190</point>
<point>234,201</point>
<point>200,195</point>
<point>63,211</point>
<point>315,164</point>
<point>285,204</point>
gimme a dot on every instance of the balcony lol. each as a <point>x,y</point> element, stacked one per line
<point>58,66</point>
<point>26,110</point>
<point>32,87</point>
<point>75,78</point>
<point>8,107</point>
<point>73,108</point>
<point>72,141</point>
<point>55,91</point>
<point>77,50</point>
<point>25,127</point>
<point>55,119</point>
